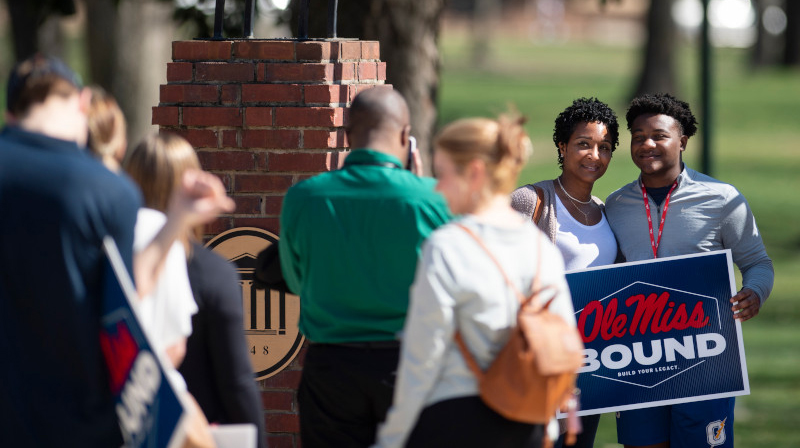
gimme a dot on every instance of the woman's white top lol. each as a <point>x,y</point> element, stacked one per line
<point>583,246</point>
<point>166,313</point>
<point>457,286</point>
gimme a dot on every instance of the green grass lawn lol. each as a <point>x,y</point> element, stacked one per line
<point>756,147</point>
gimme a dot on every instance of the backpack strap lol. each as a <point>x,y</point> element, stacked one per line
<point>468,358</point>
<point>535,283</point>
<point>492,257</point>
<point>524,301</point>
<point>537,211</point>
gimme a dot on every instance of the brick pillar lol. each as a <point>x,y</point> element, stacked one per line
<point>263,115</point>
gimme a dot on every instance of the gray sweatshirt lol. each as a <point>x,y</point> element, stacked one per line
<point>704,214</point>
<point>458,287</point>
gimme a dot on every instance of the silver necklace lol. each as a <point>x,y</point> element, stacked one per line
<point>573,200</point>
<point>569,196</point>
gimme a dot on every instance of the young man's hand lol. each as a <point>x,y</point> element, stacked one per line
<point>749,304</point>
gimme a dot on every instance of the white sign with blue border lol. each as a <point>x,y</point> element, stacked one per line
<point>658,332</point>
<point>151,414</point>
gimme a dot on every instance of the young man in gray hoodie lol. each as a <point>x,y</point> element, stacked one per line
<point>673,210</point>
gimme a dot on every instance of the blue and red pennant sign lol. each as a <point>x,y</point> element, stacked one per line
<point>150,413</point>
<point>658,332</point>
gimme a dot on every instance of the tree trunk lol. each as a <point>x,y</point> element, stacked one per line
<point>144,30</point>
<point>485,17</point>
<point>24,26</point>
<point>408,31</point>
<point>658,70</point>
<point>791,49</point>
<point>766,51</point>
<point>35,26</point>
<point>101,15</point>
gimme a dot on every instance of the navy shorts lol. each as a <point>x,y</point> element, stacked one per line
<point>687,425</point>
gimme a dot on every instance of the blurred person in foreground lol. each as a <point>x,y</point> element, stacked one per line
<point>107,129</point>
<point>216,366</point>
<point>59,204</point>
<point>349,244</point>
<point>165,313</point>
<point>696,213</point>
<point>458,287</point>
<point>586,134</point>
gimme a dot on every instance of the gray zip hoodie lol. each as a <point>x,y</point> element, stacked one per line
<point>704,214</point>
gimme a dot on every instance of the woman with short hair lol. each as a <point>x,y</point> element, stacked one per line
<point>586,134</point>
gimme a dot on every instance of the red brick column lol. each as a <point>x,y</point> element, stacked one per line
<point>263,115</point>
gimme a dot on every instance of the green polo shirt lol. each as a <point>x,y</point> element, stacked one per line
<point>349,245</point>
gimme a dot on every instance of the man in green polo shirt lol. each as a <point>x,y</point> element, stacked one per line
<point>349,245</point>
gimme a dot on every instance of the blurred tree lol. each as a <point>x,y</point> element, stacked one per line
<point>128,43</point>
<point>791,49</point>
<point>144,33</point>
<point>125,46</point>
<point>27,16</point>
<point>485,17</point>
<point>766,50</point>
<point>128,47</point>
<point>658,58</point>
<point>408,32</point>
<point>101,40</point>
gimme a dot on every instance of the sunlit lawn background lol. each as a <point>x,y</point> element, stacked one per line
<point>756,147</point>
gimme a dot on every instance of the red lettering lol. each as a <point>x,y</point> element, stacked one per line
<point>680,320</point>
<point>608,317</point>
<point>619,326</point>
<point>664,324</point>
<point>646,309</point>
<point>613,324</point>
<point>654,312</point>
<point>698,319</point>
<point>593,307</point>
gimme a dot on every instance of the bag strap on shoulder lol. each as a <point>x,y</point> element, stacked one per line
<point>537,210</point>
<point>536,282</point>
<point>496,262</point>
<point>468,357</point>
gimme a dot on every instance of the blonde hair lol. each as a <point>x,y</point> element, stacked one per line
<point>502,144</point>
<point>107,128</point>
<point>157,165</point>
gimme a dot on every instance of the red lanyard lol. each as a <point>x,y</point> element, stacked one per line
<point>653,241</point>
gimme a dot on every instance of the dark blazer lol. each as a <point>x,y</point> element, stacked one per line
<point>217,368</point>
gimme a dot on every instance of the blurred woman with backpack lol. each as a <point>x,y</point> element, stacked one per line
<point>459,288</point>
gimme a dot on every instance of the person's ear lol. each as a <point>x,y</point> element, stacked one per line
<point>85,100</point>
<point>476,172</point>
<point>562,149</point>
<point>405,133</point>
<point>10,118</point>
<point>684,142</point>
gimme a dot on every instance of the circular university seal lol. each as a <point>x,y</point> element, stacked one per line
<point>270,317</point>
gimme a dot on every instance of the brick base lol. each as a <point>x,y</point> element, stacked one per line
<point>264,115</point>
